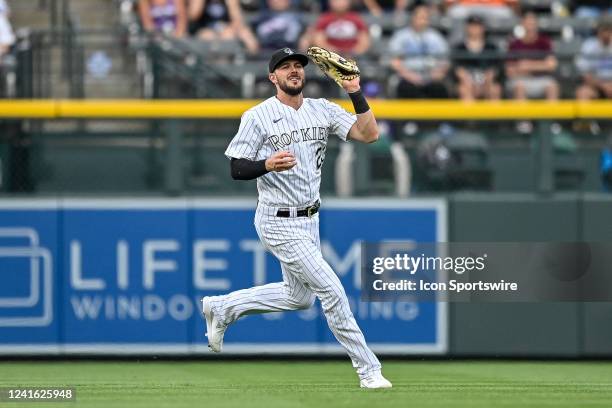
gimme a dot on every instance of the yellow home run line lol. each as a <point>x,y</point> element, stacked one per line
<point>233,109</point>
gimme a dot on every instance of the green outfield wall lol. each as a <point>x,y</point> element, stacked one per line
<point>530,329</point>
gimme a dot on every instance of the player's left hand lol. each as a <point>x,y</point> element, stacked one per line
<point>335,66</point>
<point>352,85</point>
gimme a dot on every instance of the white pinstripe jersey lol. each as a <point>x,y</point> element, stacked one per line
<point>272,126</point>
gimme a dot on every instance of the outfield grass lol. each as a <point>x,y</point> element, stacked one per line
<point>317,384</point>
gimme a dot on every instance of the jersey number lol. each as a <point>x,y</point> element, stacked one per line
<point>320,154</point>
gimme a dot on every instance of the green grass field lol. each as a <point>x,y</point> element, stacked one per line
<point>317,384</point>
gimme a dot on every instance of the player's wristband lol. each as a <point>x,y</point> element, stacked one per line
<point>359,102</point>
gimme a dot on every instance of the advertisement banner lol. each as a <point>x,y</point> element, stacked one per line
<point>125,276</point>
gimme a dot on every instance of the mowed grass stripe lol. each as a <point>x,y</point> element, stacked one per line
<point>300,384</point>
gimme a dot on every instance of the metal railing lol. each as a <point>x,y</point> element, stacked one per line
<point>171,68</point>
<point>35,74</point>
<point>180,70</point>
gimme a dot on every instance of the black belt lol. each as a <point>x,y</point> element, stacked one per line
<point>304,212</point>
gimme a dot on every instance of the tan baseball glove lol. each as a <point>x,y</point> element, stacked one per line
<point>334,65</point>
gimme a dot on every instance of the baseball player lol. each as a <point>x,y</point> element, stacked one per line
<point>281,142</point>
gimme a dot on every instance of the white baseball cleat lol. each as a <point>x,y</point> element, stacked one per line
<point>214,329</point>
<point>375,381</point>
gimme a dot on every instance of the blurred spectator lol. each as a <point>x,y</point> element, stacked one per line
<point>532,64</point>
<point>164,16</point>
<point>419,57</point>
<point>214,20</point>
<point>489,9</point>
<point>279,26</point>
<point>342,30</point>
<point>378,7</point>
<point>476,63</point>
<point>591,8</point>
<point>7,38</point>
<point>595,63</point>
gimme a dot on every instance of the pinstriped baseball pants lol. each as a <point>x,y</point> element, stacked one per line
<point>295,242</point>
